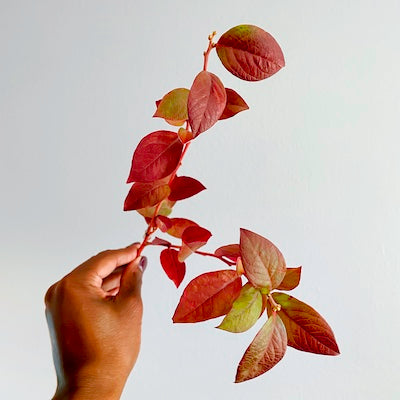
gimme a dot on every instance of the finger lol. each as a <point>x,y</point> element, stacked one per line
<point>131,280</point>
<point>104,263</point>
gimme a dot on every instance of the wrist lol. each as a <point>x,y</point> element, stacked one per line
<point>89,386</point>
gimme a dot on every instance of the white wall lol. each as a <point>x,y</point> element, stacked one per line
<point>313,165</point>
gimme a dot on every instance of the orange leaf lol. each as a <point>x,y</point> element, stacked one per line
<point>291,279</point>
<point>306,329</point>
<point>179,225</point>
<point>234,104</point>
<point>265,351</point>
<point>210,295</point>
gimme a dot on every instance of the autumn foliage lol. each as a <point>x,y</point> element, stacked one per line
<point>255,270</point>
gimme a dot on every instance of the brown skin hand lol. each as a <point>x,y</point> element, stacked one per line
<point>94,316</point>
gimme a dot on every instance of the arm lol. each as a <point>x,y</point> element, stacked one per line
<point>94,316</point>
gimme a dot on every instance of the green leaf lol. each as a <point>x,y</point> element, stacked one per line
<point>306,329</point>
<point>265,351</point>
<point>165,209</point>
<point>263,263</point>
<point>245,311</point>
<point>173,106</point>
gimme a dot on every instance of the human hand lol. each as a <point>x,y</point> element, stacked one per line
<point>94,316</point>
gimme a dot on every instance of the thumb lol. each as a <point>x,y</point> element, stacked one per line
<point>131,280</point>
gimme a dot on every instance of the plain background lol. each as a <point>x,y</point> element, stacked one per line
<point>313,166</point>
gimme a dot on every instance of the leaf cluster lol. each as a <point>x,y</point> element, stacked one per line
<point>251,54</point>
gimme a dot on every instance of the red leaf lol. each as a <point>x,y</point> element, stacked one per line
<point>265,351</point>
<point>250,53</point>
<point>306,329</point>
<point>174,269</point>
<point>231,251</point>
<point>207,99</point>
<point>163,223</point>
<point>185,135</point>
<point>156,156</point>
<point>179,225</point>
<point>173,106</point>
<point>291,279</point>
<point>263,263</point>
<point>183,187</point>
<point>145,195</point>
<point>208,296</point>
<point>234,104</point>
<point>160,242</point>
<point>193,238</point>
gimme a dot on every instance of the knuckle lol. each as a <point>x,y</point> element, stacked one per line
<point>104,254</point>
<point>49,296</point>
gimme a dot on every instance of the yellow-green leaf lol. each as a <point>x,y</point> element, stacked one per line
<point>173,106</point>
<point>245,311</point>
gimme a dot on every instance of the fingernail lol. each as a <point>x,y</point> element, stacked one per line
<point>143,263</point>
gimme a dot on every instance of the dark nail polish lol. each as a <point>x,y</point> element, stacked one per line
<point>143,263</point>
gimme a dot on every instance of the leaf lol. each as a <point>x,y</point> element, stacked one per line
<point>163,223</point>
<point>185,135</point>
<point>231,251</point>
<point>160,242</point>
<point>245,311</point>
<point>145,195</point>
<point>206,102</point>
<point>234,104</point>
<point>250,53</point>
<point>156,156</point>
<point>210,295</point>
<point>291,279</point>
<point>264,352</point>
<point>183,187</point>
<point>173,106</point>
<point>193,238</point>
<point>179,225</point>
<point>306,329</point>
<point>263,263</point>
<point>165,209</point>
<point>174,269</point>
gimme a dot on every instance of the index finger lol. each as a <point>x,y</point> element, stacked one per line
<point>104,263</point>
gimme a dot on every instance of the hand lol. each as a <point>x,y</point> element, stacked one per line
<point>94,316</point>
